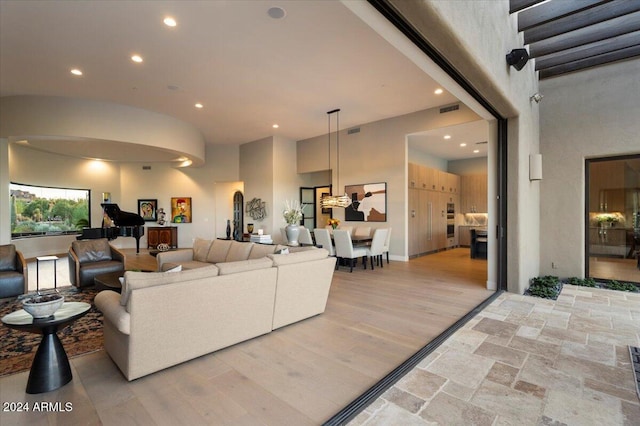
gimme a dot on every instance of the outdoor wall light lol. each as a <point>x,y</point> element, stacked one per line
<point>518,58</point>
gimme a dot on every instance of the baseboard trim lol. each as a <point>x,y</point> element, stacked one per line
<point>360,403</point>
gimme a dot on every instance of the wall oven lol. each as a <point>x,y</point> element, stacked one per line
<point>451,220</point>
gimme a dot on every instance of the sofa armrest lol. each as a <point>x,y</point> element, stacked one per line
<point>108,302</point>
<point>118,255</point>
<point>177,256</point>
<point>74,268</point>
<point>21,266</point>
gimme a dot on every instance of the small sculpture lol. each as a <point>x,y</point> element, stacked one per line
<point>161,217</point>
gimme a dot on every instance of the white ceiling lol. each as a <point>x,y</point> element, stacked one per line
<point>248,69</point>
<point>446,142</point>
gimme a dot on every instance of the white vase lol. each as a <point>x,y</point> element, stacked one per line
<point>292,231</point>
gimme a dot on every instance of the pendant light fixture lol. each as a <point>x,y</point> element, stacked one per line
<point>331,201</point>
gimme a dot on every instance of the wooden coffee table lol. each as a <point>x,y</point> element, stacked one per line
<point>109,281</point>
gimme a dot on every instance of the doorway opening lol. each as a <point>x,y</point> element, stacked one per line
<point>313,215</point>
<point>613,218</point>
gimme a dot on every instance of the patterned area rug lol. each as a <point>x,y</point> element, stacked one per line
<point>17,348</point>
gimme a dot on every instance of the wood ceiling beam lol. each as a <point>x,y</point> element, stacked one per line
<point>617,55</point>
<point>552,10</point>
<point>581,19</point>
<point>588,50</point>
<point>518,5</point>
<point>593,33</point>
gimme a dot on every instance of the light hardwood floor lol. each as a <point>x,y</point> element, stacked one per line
<point>301,374</point>
<point>614,269</point>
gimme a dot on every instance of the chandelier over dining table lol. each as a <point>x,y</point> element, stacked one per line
<point>333,201</point>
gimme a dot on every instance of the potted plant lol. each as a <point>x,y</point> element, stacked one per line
<point>333,222</point>
<point>607,220</point>
<point>293,215</point>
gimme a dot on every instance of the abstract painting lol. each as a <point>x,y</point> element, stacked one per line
<point>368,202</point>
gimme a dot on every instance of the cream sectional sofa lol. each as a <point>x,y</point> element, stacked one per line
<point>164,318</point>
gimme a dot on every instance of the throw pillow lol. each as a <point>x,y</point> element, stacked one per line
<point>201,249</point>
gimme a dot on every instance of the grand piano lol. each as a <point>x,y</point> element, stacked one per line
<point>126,224</point>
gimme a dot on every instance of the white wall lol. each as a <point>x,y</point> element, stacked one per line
<point>256,171</point>
<point>475,36</point>
<point>468,166</point>
<point>594,113</point>
<point>93,121</point>
<point>5,208</point>
<point>378,153</point>
<point>127,183</point>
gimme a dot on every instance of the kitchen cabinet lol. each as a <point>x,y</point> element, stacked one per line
<point>473,194</point>
<point>162,234</point>
<point>421,177</point>
<point>610,242</point>
<point>607,183</point>
<point>430,191</point>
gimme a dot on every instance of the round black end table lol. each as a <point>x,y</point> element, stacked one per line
<point>50,369</point>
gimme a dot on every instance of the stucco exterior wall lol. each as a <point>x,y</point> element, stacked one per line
<point>589,114</point>
<point>475,36</point>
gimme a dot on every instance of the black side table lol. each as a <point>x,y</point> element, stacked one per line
<point>50,369</point>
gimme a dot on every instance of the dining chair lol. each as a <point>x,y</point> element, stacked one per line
<point>305,236</point>
<point>323,238</point>
<point>387,242</point>
<point>345,249</point>
<point>377,246</point>
<point>362,231</point>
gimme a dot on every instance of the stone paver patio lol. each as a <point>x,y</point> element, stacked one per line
<point>526,361</point>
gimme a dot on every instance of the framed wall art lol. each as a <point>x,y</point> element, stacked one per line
<point>148,209</point>
<point>181,209</point>
<point>368,202</point>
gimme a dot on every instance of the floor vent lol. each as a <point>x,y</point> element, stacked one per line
<point>146,167</point>
<point>449,108</point>
<point>354,130</point>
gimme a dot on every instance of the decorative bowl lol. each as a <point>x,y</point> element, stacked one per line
<point>43,306</point>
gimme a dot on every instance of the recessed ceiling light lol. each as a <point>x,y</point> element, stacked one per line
<point>76,71</point>
<point>447,136</point>
<point>136,58</point>
<point>475,151</point>
<point>170,22</point>
<point>199,105</point>
<point>463,144</point>
<point>438,91</point>
<point>275,126</point>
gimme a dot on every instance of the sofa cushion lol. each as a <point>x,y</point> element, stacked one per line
<point>297,257</point>
<point>238,251</point>
<point>135,280</point>
<point>261,250</point>
<point>218,251</point>
<point>92,250</point>
<point>190,264</point>
<point>8,257</point>
<point>201,249</point>
<point>228,268</point>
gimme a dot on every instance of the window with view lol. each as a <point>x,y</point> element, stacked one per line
<point>39,210</point>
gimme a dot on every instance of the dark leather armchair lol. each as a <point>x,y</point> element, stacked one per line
<point>14,279</point>
<point>88,258</point>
